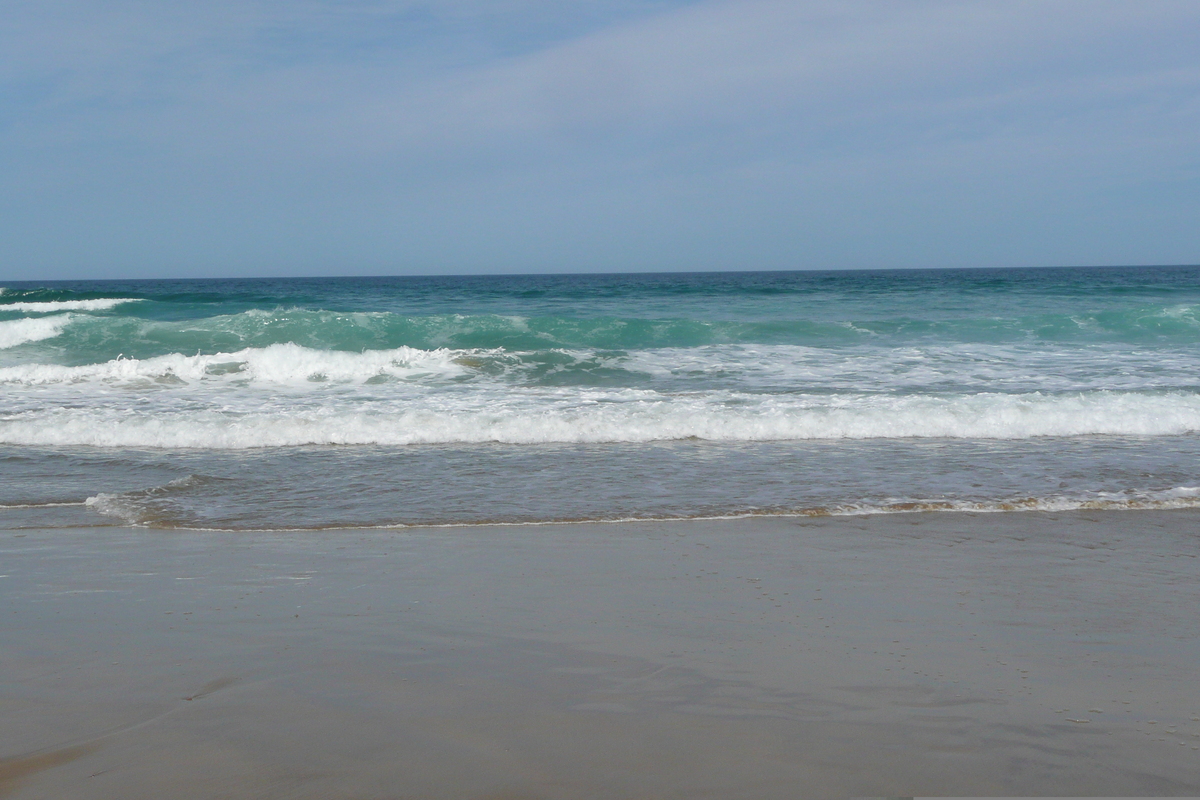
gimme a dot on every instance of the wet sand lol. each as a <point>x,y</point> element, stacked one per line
<point>913,654</point>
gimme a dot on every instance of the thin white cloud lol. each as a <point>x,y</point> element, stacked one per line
<point>726,113</point>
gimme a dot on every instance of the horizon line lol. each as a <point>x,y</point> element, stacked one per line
<point>599,273</point>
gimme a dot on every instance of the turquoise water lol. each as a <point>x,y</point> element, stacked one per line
<point>390,401</point>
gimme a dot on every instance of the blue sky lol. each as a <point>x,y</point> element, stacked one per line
<point>144,138</point>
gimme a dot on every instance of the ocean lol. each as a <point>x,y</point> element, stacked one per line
<point>314,403</point>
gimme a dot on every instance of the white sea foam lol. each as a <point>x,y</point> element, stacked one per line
<point>279,364</point>
<point>233,420</point>
<point>7,506</point>
<point>50,306</point>
<point>768,368</point>
<point>286,394</point>
<point>1178,497</point>
<point>971,366</point>
<point>14,332</point>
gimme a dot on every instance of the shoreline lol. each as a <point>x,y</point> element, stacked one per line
<point>1177,502</point>
<point>896,654</point>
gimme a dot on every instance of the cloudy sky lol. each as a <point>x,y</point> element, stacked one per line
<point>145,138</point>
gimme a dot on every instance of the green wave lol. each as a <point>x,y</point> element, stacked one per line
<point>90,337</point>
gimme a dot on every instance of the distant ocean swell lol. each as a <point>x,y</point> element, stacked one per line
<point>101,333</point>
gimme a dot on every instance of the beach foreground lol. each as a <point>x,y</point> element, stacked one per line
<point>905,654</point>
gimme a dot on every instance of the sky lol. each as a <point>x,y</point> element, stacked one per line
<point>154,138</point>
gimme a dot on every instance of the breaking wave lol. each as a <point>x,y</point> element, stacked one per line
<point>546,398</point>
<point>231,421</point>
<point>934,369</point>
<point>51,306</point>
<point>20,331</point>
<point>280,363</point>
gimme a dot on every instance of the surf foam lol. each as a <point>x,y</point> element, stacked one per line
<point>50,306</point>
<point>231,420</point>
<point>21,331</point>
<point>961,369</point>
<point>278,363</point>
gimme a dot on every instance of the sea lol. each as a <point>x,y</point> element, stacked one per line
<point>327,403</point>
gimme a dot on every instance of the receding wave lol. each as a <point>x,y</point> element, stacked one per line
<point>16,332</point>
<point>153,508</point>
<point>252,421</point>
<point>51,306</point>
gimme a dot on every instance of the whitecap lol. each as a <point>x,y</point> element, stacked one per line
<point>50,306</point>
<point>20,331</point>
<point>275,364</point>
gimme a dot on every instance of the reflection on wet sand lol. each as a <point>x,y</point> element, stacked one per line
<point>1030,654</point>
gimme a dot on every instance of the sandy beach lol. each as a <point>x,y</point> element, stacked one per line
<point>905,654</point>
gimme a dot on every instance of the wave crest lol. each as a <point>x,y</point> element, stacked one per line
<point>51,306</point>
<point>16,332</point>
<point>278,363</point>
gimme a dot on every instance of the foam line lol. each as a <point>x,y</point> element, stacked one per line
<point>230,422</point>
<point>50,306</point>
